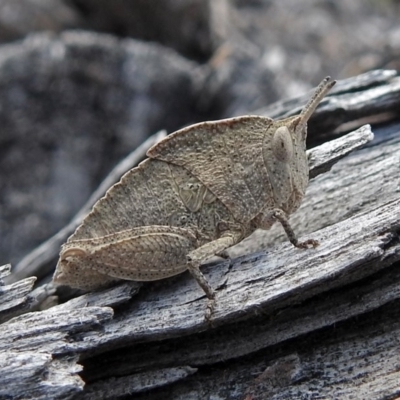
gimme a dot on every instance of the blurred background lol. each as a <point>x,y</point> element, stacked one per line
<point>84,82</point>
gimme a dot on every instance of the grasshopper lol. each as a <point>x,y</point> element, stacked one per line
<point>202,190</point>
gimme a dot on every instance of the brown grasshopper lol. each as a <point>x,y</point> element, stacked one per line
<point>203,189</point>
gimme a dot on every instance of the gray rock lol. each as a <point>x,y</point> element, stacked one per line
<point>18,18</point>
<point>185,26</point>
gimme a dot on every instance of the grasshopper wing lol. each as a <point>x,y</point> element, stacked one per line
<point>226,156</point>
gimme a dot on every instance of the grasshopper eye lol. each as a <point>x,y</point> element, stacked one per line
<point>73,252</point>
<point>282,145</point>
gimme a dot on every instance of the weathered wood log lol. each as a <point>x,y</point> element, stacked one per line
<point>288,323</point>
<point>36,361</point>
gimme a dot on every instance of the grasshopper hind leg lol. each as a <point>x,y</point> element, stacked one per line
<point>200,255</point>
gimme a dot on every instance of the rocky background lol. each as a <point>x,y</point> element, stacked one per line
<point>83,82</point>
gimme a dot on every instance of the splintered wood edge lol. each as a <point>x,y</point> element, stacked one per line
<point>322,158</point>
<point>39,375</point>
<point>14,298</point>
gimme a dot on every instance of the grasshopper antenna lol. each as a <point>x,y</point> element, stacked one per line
<point>320,92</point>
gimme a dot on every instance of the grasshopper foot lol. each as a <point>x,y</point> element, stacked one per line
<point>282,218</point>
<point>224,254</point>
<point>307,244</point>
<point>209,310</point>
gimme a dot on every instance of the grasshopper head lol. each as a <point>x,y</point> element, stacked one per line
<point>288,147</point>
<point>297,126</point>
